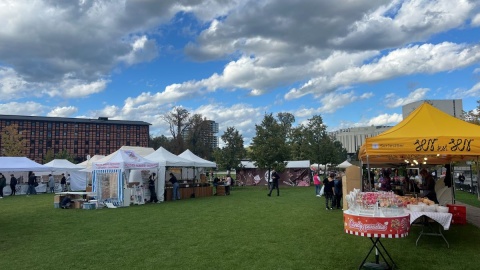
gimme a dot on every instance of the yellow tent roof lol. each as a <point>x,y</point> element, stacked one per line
<point>426,133</point>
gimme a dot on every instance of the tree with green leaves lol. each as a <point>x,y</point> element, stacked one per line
<point>229,156</point>
<point>473,116</point>
<point>197,137</point>
<point>178,121</point>
<point>12,142</point>
<point>64,154</point>
<point>49,156</point>
<point>269,148</point>
<point>161,141</point>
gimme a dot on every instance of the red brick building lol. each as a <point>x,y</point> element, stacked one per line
<point>79,136</point>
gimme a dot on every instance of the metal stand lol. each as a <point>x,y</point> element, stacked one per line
<point>379,250</point>
<point>427,229</point>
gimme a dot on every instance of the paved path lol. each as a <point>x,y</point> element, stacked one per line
<point>473,213</point>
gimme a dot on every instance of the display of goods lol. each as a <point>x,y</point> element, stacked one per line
<point>375,203</point>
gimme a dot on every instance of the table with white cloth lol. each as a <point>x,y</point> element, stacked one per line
<point>441,219</point>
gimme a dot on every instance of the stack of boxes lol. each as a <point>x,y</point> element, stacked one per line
<point>459,213</point>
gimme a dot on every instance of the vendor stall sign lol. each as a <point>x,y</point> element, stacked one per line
<point>385,227</point>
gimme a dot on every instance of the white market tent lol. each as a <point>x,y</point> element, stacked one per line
<point>166,159</point>
<point>21,164</point>
<point>197,161</point>
<point>110,174</point>
<point>298,164</point>
<point>78,180</point>
<point>344,164</point>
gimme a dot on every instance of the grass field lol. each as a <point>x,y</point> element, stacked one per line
<point>246,230</point>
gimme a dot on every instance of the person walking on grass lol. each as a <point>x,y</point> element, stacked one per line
<point>13,184</point>
<point>3,183</point>
<point>32,179</point>
<point>317,183</point>
<point>328,191</point>
<point>275,178</point>
<point>51,183</point>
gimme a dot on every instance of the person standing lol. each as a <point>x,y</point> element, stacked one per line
<point>316,182</point>
<point>3,183</point>
<point>13,184</point>
<point>216,180</point>
<point>328,190</point>
<point>32,179</point>
<point>275,177</point>
<point>63,182</point>
<point>337,193</point>
<point>67,182</point>
<point>176,186</point>
<point>51,183</point>
<point>228,182</point>
<point>151,188</point>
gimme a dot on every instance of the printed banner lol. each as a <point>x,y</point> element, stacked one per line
<point>385,227</point>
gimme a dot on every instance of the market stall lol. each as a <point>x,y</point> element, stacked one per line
<point>59,166</point>
<point>18,166</point>
<point>110,176</point>
<point>171,163</point>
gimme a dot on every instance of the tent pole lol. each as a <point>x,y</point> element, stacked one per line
<point>368,174</point>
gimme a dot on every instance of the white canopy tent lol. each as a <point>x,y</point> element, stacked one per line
<point>21,164</point>
<point>78,181</point>
<point>166,159</point>
<point>344,164</point>
<point>110,174</point>
<point>197,161</point>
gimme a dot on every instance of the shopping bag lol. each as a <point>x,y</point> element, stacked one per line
<point>321,190</point>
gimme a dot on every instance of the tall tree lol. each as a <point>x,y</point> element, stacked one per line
<point>229,156</point>
<point>49,156</point>
<point>198,135</point>
<point>64,154</point>
<point>473,116</point>
<point>269,148</point>
<point>300,149</point>
<point>317,140</point>
<point>12,142</point>
<point>161,141</point>
<point>178,121</point>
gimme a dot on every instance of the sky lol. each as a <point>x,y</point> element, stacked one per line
<point>354,62</point>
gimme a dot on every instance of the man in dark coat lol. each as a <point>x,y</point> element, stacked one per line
<point>274,185</point>
<point>13,184</point>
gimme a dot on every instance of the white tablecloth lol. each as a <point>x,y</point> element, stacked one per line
<point>444,219</point>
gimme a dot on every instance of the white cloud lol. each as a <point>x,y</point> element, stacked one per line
<point>476,20</point>
<point>385,120</point>
<point>62,111</point>
<point>393,101</point>
<point>25,108</point>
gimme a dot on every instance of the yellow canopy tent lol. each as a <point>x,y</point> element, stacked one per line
<point>426,136</point>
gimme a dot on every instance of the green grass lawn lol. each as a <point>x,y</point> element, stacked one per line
<point>467,198</point>
<point>246,230</point>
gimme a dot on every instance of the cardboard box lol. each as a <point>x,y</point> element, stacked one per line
<point>57,199</point>
<point>78,204</point>
<point>351,180</point>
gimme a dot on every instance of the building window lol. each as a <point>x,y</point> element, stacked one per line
<point>75,150</point>
<point>49,134</point>
<point>49,144</point>
<point>118,143</point>
<point>56,142</point>
<point>97,152</point>
<point>64,125</point>
<point>97,142</point>
<point>41,132</point>
<point>64,133</point>
<point>86,142</point>
<point>87,126</point>
<point>128,135</point>
<point>40,151</point>
<point>40,124</point>
<point>32,142</point>
<point>7,123</point>
<point>108,134</point>
<point>20,123</point>
<point>75,142</point>
<point>118,126</point>
<point>118,135</point>
<point>128,127</point>
<point>98,134</point>
<point>40,142</point>
<point>76,133</point>
<point>128,143</point>
<point>32,151</point>
<point>138,143</point>
<point>57,133</point>
<point>87,133</point>
<point>57,124</point>
<point>76,125</point>
<point>49,125</point>
<point>33,133</point>
<point>108,142</point>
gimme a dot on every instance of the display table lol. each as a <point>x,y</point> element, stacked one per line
<point>442,219</point>
<point>376,228</point>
